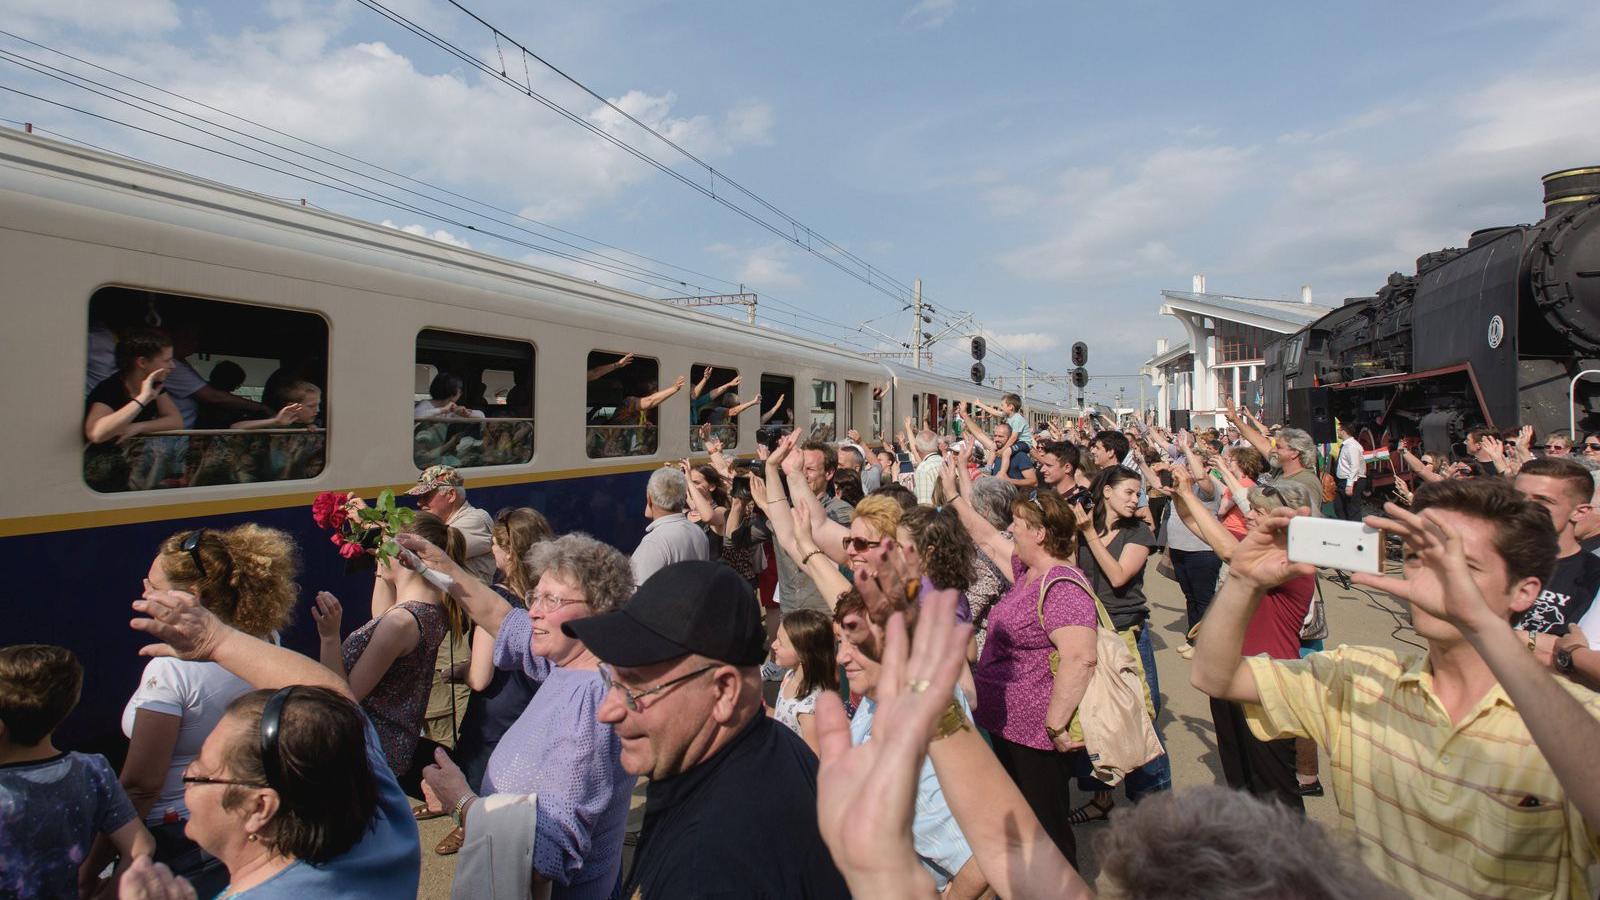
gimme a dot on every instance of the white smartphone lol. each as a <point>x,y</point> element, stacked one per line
<point>1336,544</point>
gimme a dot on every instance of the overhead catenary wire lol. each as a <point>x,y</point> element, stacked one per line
<point>792,313</point>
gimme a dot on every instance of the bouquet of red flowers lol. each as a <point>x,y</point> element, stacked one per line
<point>364,534</point>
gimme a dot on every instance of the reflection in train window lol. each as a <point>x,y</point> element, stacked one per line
<point>623,393</point>
<point>714,406</point>
<point>824,407</point>
<point>472,401</point>
<point>240,399</point>
<point>777,403</point>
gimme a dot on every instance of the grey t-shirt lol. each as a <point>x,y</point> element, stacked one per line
<point>1179,537</point>
<point>1126,605</point>
<point>796,590</point>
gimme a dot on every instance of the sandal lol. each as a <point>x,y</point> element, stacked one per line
<point>1083,816</point>
<point>422,813</point>
<point>451,843</point>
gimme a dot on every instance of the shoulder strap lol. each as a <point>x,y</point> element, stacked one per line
<point>1075,578</point>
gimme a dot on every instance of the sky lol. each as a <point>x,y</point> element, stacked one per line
<point>1049,167</point>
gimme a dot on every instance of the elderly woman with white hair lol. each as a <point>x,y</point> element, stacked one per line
<point>670,537</point>
<point>556,750</point>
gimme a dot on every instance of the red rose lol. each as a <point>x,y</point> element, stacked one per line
<point>351,550</point>
<point>337,539</point>
<point>340,514</point>
<point>322,508</point>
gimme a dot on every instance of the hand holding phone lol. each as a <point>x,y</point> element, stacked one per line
<point>1336,544</point>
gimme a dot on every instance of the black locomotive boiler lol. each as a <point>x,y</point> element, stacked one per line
<point>1491,334</point>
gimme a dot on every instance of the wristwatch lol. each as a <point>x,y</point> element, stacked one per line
<point>1563,661</point>
<point>1053,733</point>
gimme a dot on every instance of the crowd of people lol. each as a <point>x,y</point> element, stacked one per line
<point>895,668</point>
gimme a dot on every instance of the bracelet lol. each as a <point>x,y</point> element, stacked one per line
<point>461,807</point>
<point>807,558</point>
<point>953,721</point>
<point>777,499</point>
<point>1533,643</point>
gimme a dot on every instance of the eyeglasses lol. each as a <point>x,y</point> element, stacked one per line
<point>1591,448</point>
<point>539,602</point>
<point>1562,446</point>
<point>631,697</point>
<point>202,779</point>
<point>860,545</point>
<point>191,546</point>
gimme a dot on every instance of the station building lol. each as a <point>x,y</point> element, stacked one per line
<point>1223,354</point>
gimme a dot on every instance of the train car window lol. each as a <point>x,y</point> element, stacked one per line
<point>777,403</point>
<point>714,405</point>
<point>624,392</point>
<point>932,408</point>
<point>916,407</point>
<point>824,410</point>
<point>241,396</point>
<point>472,401</point>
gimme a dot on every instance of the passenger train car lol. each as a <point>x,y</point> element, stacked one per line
<point>91,243</point>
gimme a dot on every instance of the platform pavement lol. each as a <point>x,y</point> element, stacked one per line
<point>1353,618</point>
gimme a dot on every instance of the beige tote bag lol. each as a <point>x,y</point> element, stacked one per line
<point>1113,719</point>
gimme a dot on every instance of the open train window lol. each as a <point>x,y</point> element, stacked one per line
<point>241,395</point>
<point>624,392</point>
<point>472,403</point>
<point>777,402</point>
<point>714,405</point>
<point>824,409</point>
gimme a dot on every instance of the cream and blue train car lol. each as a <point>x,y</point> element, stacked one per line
<point>92,243</point>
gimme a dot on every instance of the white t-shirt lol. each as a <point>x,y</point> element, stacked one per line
<point>182,383</point>
<point>427,409</point>
<point>198,693</point>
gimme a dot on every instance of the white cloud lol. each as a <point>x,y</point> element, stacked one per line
<point>1104,230</point>
<point>436,234</point>
<point>296,72</point>
<point>929,13</point>
<point>1016,342</point>
<point>766,267</point>
<point>121,16</point>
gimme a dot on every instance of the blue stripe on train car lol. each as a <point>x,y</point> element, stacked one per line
<point>74,588</point>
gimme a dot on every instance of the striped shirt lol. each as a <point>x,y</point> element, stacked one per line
<point>1439,809</point>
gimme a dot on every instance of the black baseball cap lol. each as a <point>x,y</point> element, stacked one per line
<point>688,607</point>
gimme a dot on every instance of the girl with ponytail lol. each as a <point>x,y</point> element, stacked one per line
<point>389,661</point>
<point>246,576</point>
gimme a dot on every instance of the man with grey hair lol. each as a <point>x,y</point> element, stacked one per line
<point>440,490</point>
<point>926,476</point>
<point>1294,458</point>
<point>670,537</point>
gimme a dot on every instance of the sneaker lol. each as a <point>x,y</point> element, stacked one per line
<point>1186,651</point>
<point>771,671</point>
<point>1314,789</point>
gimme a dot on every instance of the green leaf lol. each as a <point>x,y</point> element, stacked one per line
<point>386,501</point>
<point>405,516</point>
<point>369,514</point>
<point>390,548</point>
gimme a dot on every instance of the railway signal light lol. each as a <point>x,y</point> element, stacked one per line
<point>980,347</point>
<point>1080,375</point>
<point>1080,354</point>
<point>978,371</point>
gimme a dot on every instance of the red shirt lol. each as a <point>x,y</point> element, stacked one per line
<point>1275,628</point>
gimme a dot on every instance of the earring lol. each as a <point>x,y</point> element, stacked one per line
<point>254,837</point>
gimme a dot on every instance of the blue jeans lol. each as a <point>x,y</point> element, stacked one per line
<point>1155,775</point>
<point>1196,572</point>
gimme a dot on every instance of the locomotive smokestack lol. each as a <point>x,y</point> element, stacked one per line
<point>1305,294</point>
<point>1570,188</point>
<point>1199,284</point>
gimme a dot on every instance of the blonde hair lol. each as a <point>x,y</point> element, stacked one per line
<point>882,513</point>
<point>246,574</point>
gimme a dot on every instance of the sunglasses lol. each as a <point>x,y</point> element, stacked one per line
<point>201,779</point>
<point>191,546</point>
<point>860,545</point>
<point>1589,447</point>
<point>631,698</point>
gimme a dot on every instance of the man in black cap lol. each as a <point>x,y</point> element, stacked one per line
<point>731,808</point>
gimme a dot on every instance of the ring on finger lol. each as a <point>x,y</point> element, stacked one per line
<point>918,685</point>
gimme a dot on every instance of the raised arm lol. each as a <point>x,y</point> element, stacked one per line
<point>1417,465</point>
<point>1563,728</point>
<point>819,566</point>
<point>753,401</point>
<point>1200,520</point>
<point>776,505</point>
<point>659,397</point>
<point>1119,569</point>
<point>1260,562</point>
<point>1247,431</point>
<point>487,608</point>
<point>187,630</point>
<point>700,501</point>
<point>824,532</point>
<point>700,386</point>
<point>776,405</point>
<point>723,389</point>
<point>988,538</point>
<point>599,372</point>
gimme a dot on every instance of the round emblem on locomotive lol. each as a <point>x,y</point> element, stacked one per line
<point>1497,332</point>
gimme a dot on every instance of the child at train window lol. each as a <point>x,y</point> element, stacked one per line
<point>56,802</point>
<point>132,402</point>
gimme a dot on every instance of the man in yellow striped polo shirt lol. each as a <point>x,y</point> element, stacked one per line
<point>1465,771</point>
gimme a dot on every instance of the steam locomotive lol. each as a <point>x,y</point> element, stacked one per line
<point>1492,334</point>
